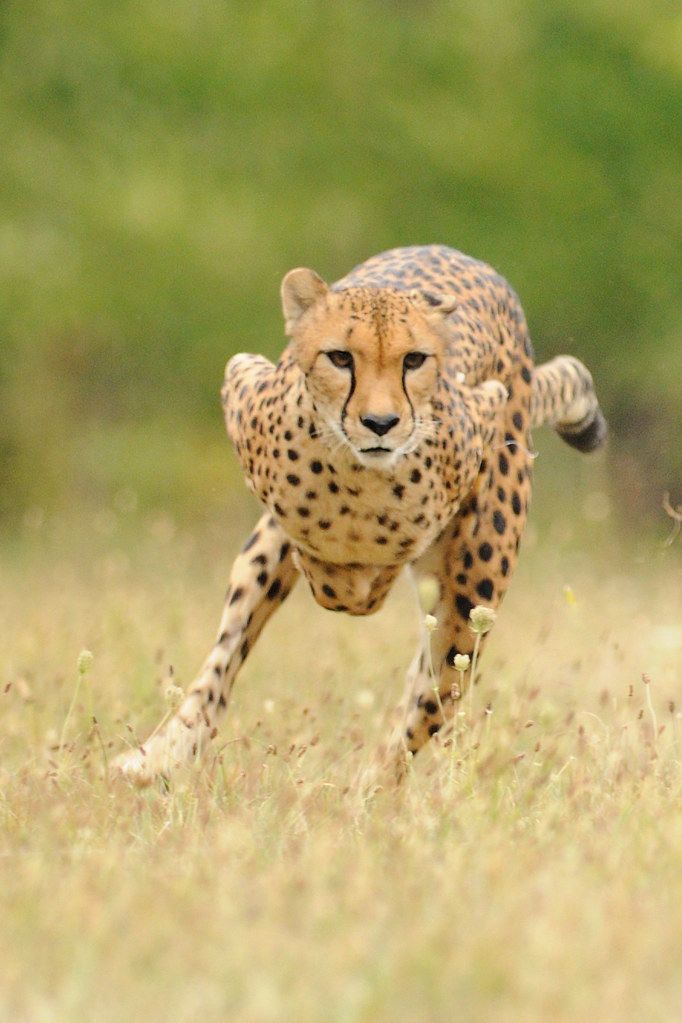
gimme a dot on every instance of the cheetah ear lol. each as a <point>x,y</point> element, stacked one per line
<point>441,305</point>
<point>301,289</point>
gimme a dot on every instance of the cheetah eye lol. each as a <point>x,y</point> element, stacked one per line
<point>413,360</point>
<point>340,358</point>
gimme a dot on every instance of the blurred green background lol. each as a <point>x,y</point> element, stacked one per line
<point>164,163</point>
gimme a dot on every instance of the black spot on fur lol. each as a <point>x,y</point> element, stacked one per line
<point>485,552</point>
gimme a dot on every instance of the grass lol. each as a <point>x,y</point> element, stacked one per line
<point>534,875</point>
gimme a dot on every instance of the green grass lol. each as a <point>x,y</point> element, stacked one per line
<point>531,876</point>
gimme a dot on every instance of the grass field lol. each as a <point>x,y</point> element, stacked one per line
<point>532,874</point>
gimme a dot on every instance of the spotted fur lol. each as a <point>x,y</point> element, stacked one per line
<point>393,432</point>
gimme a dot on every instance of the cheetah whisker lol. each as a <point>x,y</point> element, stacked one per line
<point>514,445</point>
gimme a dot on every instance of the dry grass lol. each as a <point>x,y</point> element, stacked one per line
<point>531,875</point>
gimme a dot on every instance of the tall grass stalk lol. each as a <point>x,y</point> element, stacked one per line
<point>83,666</point>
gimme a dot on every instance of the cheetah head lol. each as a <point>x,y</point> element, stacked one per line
<point>371,358</point>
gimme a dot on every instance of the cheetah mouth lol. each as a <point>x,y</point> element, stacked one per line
<point>379,458</point>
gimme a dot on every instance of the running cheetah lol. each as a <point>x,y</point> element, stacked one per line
<point>393,433</point>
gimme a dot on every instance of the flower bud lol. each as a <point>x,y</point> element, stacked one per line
<point>429,592</point>
<point>85,659</point>
<point>481,619</point>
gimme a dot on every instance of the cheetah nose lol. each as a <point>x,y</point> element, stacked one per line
<point>380,424</point>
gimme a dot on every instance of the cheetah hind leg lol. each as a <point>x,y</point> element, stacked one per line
<point>564,397</point>
<point>262,576</point>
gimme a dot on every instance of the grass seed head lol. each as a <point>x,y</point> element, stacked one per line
<point>481,619</point>
<point>84,662</point>
<point>174,696</point>
<point>461,662</point>
<point>429,593</point>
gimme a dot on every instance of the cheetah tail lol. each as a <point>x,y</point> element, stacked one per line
<point>564,397</point>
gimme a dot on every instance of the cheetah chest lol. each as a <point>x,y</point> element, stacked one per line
<point>345,513</point>
<point>354,527</point>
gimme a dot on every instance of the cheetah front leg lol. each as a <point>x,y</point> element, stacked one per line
<point>262,576</point>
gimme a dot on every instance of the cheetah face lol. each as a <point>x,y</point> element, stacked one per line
<point>372,359</point>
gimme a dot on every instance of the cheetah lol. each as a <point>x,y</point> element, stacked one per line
<point>394,433</point>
